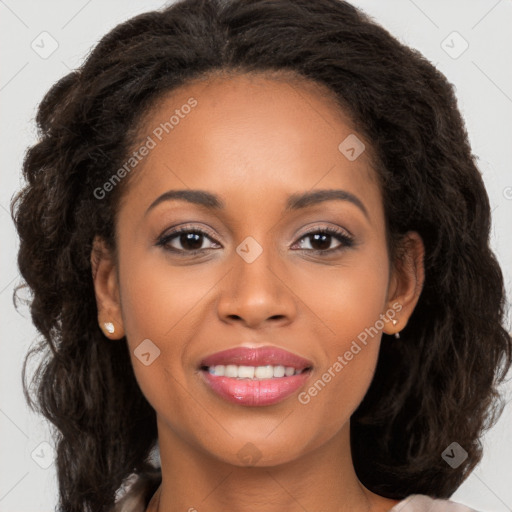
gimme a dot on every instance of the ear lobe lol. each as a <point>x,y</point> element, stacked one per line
<point>106,287</point>
<point>407,280</point>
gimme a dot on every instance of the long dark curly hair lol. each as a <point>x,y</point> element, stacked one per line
<point>437,384</point>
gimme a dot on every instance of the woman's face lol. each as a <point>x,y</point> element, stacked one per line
<point>264,272</point>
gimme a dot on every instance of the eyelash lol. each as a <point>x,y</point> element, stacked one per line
<point>346,240</point>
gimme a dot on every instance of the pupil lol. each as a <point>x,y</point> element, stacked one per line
<point>321,239</point>
<point>191,241</point>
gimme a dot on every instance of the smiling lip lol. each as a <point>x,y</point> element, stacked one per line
<point>255,392</point>
<point>256,357</point>
<point>251,392</point>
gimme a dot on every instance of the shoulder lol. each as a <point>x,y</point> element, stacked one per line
<point>422,503</point>
<point>135,493</point>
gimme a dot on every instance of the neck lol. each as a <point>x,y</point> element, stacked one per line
<point>194,480</point>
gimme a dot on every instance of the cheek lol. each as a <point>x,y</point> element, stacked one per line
<point>348,301</point>
<point>346,298</point>
<point>161,303</point>
<point>158,304</point>
<point>157,296</point>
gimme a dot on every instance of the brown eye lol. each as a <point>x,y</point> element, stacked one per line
<point>320,241</point>
<point>191,241</point>
<point>186,240</point>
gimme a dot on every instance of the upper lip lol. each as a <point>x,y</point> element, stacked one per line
<point>256,357</point>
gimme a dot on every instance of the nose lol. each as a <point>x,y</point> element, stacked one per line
<point>257,294</point>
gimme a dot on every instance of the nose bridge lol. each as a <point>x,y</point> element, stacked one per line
<point>252,275</point>
<point>254,291</point>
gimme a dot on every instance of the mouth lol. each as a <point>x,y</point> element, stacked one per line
<point>255,377</point>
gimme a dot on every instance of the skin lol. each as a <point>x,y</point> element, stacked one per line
<point>254,141</point>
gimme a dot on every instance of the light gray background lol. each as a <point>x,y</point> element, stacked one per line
<point>483,79</point>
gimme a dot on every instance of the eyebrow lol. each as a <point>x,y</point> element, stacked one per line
<point>294,202</point>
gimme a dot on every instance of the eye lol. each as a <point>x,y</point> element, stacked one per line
<point>186,240</point>
<point>320,240</point>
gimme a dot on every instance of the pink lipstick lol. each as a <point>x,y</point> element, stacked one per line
<point>255,377</point>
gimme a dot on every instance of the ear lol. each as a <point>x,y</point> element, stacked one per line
<point>106,286</point>
<point>406,280</point>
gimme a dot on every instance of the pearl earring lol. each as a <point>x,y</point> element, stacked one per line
<point>397,334</point>
<point>109,327</point>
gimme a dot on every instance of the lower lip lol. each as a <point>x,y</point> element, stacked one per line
<point>255,392</point>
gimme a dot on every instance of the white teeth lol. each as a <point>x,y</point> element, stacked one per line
<point>289,371</point>
<point>279,371</point>
<point>230,371</point>
<point>245,372</point>
<point>252,372</point>
<point>264,372</point>
<point>217,370</point>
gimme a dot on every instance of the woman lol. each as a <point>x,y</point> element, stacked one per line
<point>257,240</point>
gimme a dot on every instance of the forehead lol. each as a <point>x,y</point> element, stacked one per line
<point>251,133</point>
